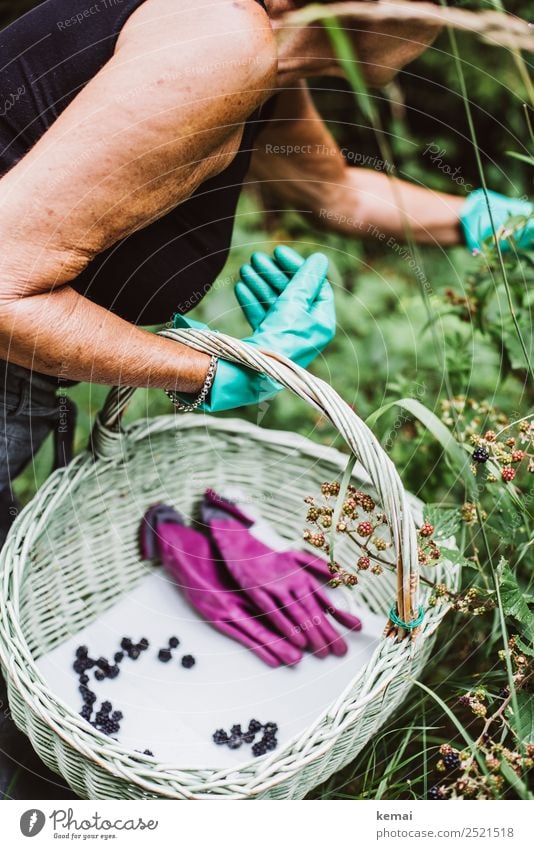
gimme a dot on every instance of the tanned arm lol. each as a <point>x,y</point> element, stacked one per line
<point>156,131</point>
<point>299,161</point>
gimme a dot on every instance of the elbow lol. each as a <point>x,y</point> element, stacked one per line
<point>27,271</point>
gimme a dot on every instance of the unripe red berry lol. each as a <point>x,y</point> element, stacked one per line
<point>364,529</point>
<point>490,436</point>
<point>364,562</point>
<point>508,474</point>
<point>517,456</point>
<point>426,530</point>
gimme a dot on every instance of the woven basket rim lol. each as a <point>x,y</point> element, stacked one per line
<point>100,749</point>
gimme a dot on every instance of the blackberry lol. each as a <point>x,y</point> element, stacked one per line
<point>220,737</point>
<point>114,727</point>
<point>113,671</point>
<point>89,663</point>
<point>84,691</point>
<point>99,675</point>
<point>106,707</point>
<point>435,793</point>
<point>452,761</point>
<point>84,679</point>
<point>86,712</point>
<point>504,693</point>
<point>259,749</point>
<point>254,726</point>
<point>270,728</point>
<point>82,652</point>
<point>126,643</point>
<point>134,653</point>
<point>248,737</point>
<point>164,655</point>
<point>235,731</point>
<point>481,454</point>
<point>148,752</point>
<point>174,642</point>
<point>234,742</point>
<point>90,698</point>
<point>118,656</point>
<point>79,667</point>
<point>102,663</point>
<point>117,715</point>
<point>143,644</point>
<point>270,743</point>
<point>188,661</point>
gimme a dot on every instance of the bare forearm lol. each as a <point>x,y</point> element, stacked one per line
<point>373,205</point>
<point>63,334</point>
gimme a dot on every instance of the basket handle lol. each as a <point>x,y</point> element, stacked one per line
<point>107,439</point>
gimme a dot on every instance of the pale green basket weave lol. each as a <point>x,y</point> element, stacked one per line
<point>72,553</point>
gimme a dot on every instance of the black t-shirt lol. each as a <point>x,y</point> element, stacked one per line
<point>46,57</point>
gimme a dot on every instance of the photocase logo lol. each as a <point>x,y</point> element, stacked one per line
<point>32,822</point>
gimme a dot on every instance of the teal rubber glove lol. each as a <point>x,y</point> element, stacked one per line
<point>299,325</point>
<point>476,222</point>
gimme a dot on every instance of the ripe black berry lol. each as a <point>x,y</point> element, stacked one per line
<point>248,737</point>
<point>105,707</point>
<point>270,728</point>
<point>259,749</point>
<point>481,454</point>
<point>89,698</point>
<point>254,726</point>
<point>174,642</point>
<point>86,712</point>
<point>126,643</point>
<point>234,742</point>
<point>435,793</point>
<point>220,737</point>
<point>143,644</point>
<point>118,656</point>
<point>148,752</point>
<point>188,661</point>
<point>164,655</point>
<point>134,653</point>
<point>84,679</point>
<point>452,761</point>
<point>235,731</point>
<point>117,715</point>
<point>102,663</point>
<point>270,743</point>
<point>113,671</point>
<point>82,651</point>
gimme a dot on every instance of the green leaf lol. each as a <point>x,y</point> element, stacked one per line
<point>453,449</point>
<point>521,156</point>
<point>524,722</point>
<point>446,520</point>
<point>513,600</point>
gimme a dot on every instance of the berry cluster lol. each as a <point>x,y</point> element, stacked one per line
<point>236,737</point>
<point>505,446</point>
<point>133,650</point>
<point>360,520</point>
<point>165,654</point>
<point>427,551</point>
<point>466,777</point>
<point>469,602</point>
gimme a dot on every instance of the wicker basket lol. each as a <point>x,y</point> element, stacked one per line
<point>72,553</point>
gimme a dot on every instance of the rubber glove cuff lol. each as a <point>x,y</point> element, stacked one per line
<point>476,222</point>
<point>234,386</point>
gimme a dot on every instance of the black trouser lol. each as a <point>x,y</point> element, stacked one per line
<point>33,405</point>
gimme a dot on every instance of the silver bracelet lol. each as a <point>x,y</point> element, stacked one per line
<point>201,397</point>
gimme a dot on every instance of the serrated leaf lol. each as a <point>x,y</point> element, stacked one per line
<point>513,599</point>
<point>524,648</point>
<point>446,520</point>
<point>524,721</point>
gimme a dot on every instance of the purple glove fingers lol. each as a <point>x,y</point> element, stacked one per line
<point>267,640</point>
<point>346,619</point>
<point>277,612</point>
<point>259,650</point>
<point>307,626</point>
<point>327,634</point>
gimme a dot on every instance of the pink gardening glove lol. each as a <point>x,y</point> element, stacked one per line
<point>286,586</point>
<point>189,558</point>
